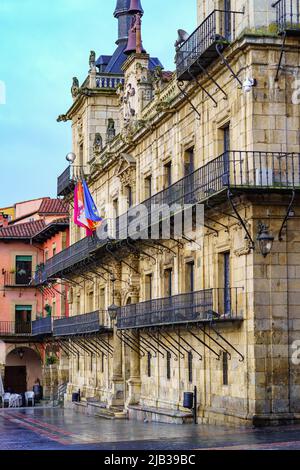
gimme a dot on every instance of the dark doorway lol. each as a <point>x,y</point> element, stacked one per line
<point>15,379</point>
<point>23,319</point>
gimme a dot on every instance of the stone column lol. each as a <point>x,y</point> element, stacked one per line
<point>116,397</point>
<point>134,381</point>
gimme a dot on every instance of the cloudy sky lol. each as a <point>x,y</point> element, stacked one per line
<point>43,44</point>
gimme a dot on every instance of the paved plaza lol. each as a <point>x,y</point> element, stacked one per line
<point>57,429</point>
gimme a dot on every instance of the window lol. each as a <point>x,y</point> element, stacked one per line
<point>23,318</point>
<point>53,307</point>
<point>54,249</point>
<point>149,364</point>
<point>77,306</point>
<point>102,363</point>
<point>102,299</point>
<point>23,269</point>
<point>90,301</point>
<point>81,154</point>
<point>129,196</point>
<point>225,368</point>
<point>91,363</point>
<point>224,283</point>
<point>168,278</point>
<point>46,255</point>
<point>116,208</point>
<point>226,7</point>
<point>168,365</point>
<point>78,362</point>
<point>63,241</point>
<point>225,150</point>
<point>190,276</point>
<point>148,287</point>
<point>167,175</point>
<point>190,366</point>
<point>148,187</point>
<point>189,163</point>
<point>189,181</point>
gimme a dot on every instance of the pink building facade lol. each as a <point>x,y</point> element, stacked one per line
<point>40,229</point>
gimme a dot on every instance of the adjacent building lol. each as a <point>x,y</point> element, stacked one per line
<point>157,312</point>
<point>38,231</point>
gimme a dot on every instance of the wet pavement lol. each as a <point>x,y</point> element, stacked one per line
<point>58,429</point>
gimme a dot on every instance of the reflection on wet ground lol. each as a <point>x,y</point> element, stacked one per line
<point>41,429</point>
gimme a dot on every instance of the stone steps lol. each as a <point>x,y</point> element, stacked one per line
<point>159,415</point>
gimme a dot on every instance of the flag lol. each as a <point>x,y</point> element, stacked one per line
<point>91,211</point>
<point>79,212</point>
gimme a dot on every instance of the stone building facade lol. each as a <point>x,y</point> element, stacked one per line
<point>217,307</point>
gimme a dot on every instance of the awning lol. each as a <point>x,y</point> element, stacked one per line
<point>21,308</point>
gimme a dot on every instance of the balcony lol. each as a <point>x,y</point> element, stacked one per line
<point>195,307</point>
<point>67,180</point>
<point>42,327</point>
<point>239,171</point>
<point>76,253</point>
<point>17,280</point>
<point>288,17</point>
<point>200,49</point>
<point>108,81</point>
<point>15,329</point>
<point>79,325</point>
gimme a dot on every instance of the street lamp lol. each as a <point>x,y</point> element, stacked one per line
<point>113,309</point>
<point>265,240</point>
<point>71,157</point>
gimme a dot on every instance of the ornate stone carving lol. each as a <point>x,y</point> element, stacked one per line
<point>92,61</point>
<point>129,102</point>
<point>75,87</point>
<point>79,129</point>
<point>111,131</point>
<point>98,144</point>
<point>126,170</point>
<point>62,118</point>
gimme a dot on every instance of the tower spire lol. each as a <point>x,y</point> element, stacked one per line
<point>134,44</point>
<point>124,20</point>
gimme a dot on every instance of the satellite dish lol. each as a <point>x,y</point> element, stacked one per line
<point>71,157</point>
<point>182,37</point>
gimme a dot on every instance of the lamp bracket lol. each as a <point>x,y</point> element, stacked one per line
<point>287,216</point>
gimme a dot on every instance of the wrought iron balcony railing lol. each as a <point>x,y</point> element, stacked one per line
<point>10,328</point>
<point>195,307</point>
<point>200,49</point>
<point>76,253</point>
<point>17,279</point>
<point>42,326</point>
<point>79,324</point>
<point>67,180</point>
<point>288,16</point>
<point>238,171</point>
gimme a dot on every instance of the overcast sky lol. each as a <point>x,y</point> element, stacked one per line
<point>43,44</point>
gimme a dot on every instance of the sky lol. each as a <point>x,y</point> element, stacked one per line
<point>43,44</point>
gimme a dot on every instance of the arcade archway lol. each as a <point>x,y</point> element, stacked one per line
<point>23,366</point>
